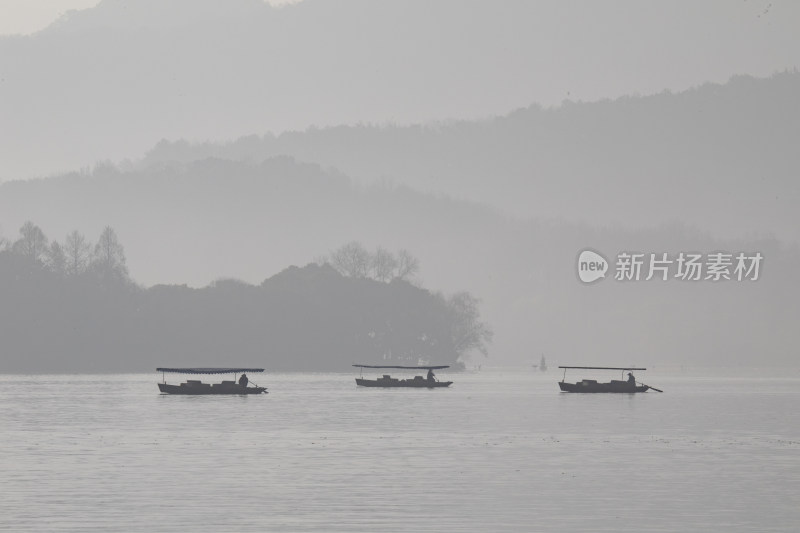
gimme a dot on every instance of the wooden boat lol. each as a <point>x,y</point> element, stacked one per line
<point>386,380</point>
<point>629,385</point>
<point>197,387</point>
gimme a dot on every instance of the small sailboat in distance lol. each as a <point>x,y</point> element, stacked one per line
<point>543,364</point>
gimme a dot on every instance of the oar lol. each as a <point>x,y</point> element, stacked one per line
<point>249,382</point>
<point>648,386</point>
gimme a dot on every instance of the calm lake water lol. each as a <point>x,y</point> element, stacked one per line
<point>498,451</point>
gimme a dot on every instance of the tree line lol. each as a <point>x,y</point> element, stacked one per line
<point>74,256</point>
<point>71,307</point>
<point>355,261</point>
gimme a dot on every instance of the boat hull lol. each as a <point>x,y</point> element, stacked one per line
<point>587,386</point>
<point>208,389</point>
<point>402,383</point>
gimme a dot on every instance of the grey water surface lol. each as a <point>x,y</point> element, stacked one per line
<point>498,451</point>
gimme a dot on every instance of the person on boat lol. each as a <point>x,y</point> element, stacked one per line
<point>631,379</point>
<point>431,375</point>
<point>243,380</point>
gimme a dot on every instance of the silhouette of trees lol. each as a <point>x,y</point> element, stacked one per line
<point>352,260</point>
<point>108,259</point>
<point>467,331</point>
<point>355,261</point>
<point>32,243</point>
<point>366,320</point>
<point>383,265</point>
<point>56,259</point>
<point>310,318</point>
<point>77,252</point>
<point>407,265</point>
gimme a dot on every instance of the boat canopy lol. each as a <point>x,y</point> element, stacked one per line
<point>604,367</point>
<point>234,370</point>
<point>406,367</point>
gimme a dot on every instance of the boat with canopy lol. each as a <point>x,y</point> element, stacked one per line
<point>430,381</point>
<point>629,385</point>
<point>195,386</point>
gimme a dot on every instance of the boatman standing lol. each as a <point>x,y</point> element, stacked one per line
<point>430,374</point>
<point>631,379</point>
<point>243,380</point>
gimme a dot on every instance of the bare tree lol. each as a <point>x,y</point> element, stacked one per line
<point>407,265</point>
<point>351,260</point>
<point>468,332</point>
<point>56,259</point>
<point>109,256</point>
<point>77,252</point>
<point>355,261</point>
<point>383,265</point>
<point>32,242</point>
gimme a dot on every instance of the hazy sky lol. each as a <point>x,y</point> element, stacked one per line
<point>689,42</point>
<point>28,16</point>
<point>414,61</point>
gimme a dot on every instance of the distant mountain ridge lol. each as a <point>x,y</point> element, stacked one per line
<point>719,157</point>
<point>110,81</point>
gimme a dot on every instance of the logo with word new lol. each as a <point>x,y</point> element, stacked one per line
<point>591,266</point>
<point>662,266</point>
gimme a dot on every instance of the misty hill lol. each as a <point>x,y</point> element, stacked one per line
<point>719,157</point>
<point>309,318</point>
<point>193,223</point>
<point>112,80</point>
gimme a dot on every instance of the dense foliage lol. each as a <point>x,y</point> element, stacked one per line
<point>72,307</point>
